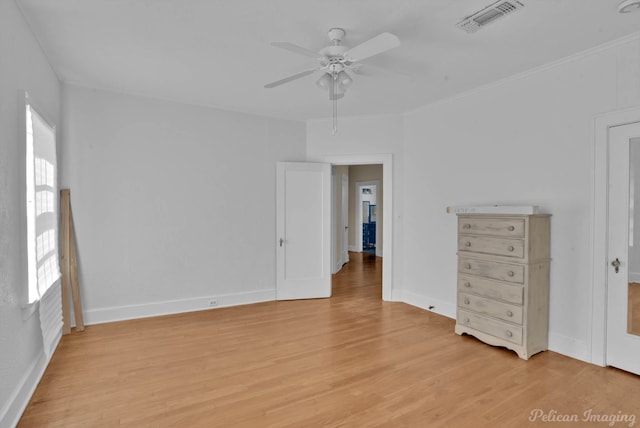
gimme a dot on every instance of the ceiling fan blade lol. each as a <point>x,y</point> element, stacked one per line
<point>296,49</point>
<point>290,78</point>
<point>378,44</point>
<point>365,69</point>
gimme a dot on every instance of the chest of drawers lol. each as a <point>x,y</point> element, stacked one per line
<point>503,280</point>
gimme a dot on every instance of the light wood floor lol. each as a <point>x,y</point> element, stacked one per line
<point>633,313</point>
<point>351,361</point>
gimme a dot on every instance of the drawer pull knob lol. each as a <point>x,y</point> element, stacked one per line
<point>511,248</point>
<point>511,273</point>
<point>511,228</point>
<point>509,313</point>
<point>466,320</point>
<point>467,226</point>
<point>467,266</point>
<point>508,333</point>
<point>467,284</point>
<point>467,244</point>
<point>466,301</point>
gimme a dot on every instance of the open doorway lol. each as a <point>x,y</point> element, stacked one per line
<point>357,221</point>
<point>309,188</point>
<point>358,207</point>
<point>384,213</point>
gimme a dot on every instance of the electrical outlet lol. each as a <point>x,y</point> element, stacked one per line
<point>213,302</point>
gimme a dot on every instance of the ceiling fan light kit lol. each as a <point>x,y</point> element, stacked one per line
<point>324,81</point>
<point>344,79</point>
<point>334,61</point>
<point>627,6</point>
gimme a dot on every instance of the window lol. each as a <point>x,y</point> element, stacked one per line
<point>42,211</point>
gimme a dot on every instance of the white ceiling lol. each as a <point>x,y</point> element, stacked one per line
<point>217,52</point>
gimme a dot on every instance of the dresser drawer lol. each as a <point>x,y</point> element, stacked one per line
<point>489,269</point>
<point>503,330</point>
<point>491,289</point>
<point>488,245</point>
<point>504,311</point>
<point>507,227</point>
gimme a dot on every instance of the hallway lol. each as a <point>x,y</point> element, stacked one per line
<point>361,277</point>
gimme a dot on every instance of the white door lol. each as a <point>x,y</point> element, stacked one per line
<point>623,277</point>
<point>303,205</point>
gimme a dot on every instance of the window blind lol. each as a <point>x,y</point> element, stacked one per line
<point>42,230</point>
<point>44,268</point>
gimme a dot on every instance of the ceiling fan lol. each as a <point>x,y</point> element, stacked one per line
<point>336,59</point>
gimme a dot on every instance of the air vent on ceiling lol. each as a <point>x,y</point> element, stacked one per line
<point>473,23</point>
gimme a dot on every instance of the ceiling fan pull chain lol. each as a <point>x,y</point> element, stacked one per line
<point>335,103</point>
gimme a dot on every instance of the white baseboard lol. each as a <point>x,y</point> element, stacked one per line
<point>396,295</point>
<point>120,313</point>
<point>339,265</point>
<point>11,412</point>
<point>634,276</point>
<point>569,346</point>
<point>561,344</point>
<point>430,304</point>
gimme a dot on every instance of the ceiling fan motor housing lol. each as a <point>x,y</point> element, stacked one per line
<point>333,51</point>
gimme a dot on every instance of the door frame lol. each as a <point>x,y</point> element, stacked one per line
<point>344,218</point>
<point>359,214</point>
<point>599,237</point>
<point>339,256</point>
<point>386,160</point>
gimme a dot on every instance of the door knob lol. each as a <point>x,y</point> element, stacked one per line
<point>281,241</point>
<point>616,265</point>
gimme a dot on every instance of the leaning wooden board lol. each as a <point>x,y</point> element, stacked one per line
<point>69,262</point>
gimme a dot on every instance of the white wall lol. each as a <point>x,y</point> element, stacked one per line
<point>356,135</point>
<point>524,140</point>
<point>22,66</point>
<point>172,204</point>
<point>528,140</point>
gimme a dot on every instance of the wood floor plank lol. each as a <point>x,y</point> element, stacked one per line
<point>633,311</point>
<point>348,361</point>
